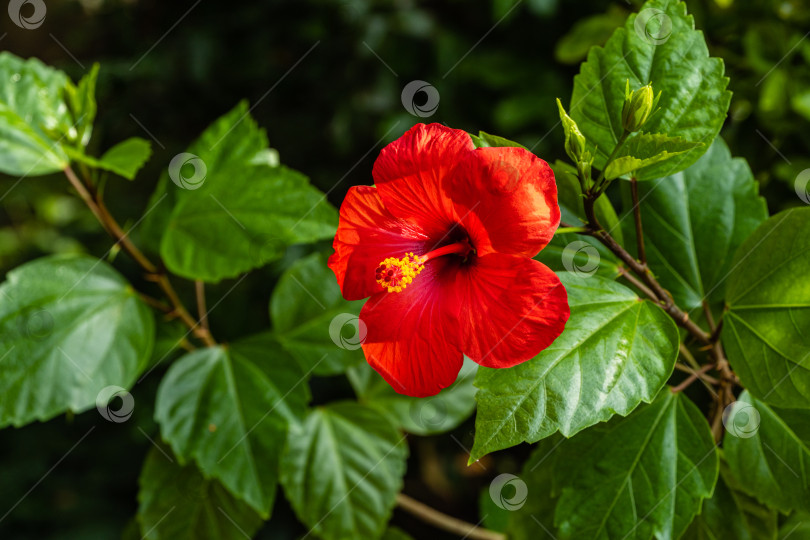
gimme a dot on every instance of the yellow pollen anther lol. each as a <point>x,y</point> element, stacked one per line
<point>395,274</point>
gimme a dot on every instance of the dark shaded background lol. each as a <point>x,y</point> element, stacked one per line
<point>496,69</point>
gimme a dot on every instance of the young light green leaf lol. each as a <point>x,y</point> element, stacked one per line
<point>127,157</point>
<point>693,223</point>
<point>421,416</point>
<point>178,503</point>
<point>82,102</point>
<point>35,122</point>
<point>659,45</point>
<point>616,352</point>
<point>227,212</point>
<point>768,298</point>
<point>70,327</point>
<point>228,409</point>
<point>643,476</point>
<point>313,322</point>
<point>768,451</point>
<point>730,514</point>
<point>124,159</point>
<point>644,150</point>
<point>342,469</point>
<point>484,140</point>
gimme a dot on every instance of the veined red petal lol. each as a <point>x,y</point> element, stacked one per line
<point>409,175</point>
<point>367,234</point>
<point>413,336</point>
<point>512,308</point>
<point>506,199</point>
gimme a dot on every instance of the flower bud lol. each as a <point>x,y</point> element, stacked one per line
<point>637,107</point>
<point>574,139</point>
<point>584,167</point>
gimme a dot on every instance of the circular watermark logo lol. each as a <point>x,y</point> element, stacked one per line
<point>580,258</point>
<point>347,331</point>
<point>36,324</point>
<point>653,26</point>
<point>802,186</point>
<point>518,495</point>
<point>104,404</point>
<point>28,14</point>
<point>178,171</point>
<point>428,413</point>
<point>420,98</point>
<point>741,419</point>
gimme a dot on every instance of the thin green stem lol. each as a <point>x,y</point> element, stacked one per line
<point>566,230</point>
<point>600,180</point>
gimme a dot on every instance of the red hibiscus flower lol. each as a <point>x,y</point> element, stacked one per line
<point>442,245</point>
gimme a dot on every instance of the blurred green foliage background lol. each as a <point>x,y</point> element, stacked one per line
<point>325,79</point>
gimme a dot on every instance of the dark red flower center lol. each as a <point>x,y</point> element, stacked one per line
<point>394,274</point>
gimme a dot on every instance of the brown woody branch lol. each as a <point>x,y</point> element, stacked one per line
<point>152,272</point>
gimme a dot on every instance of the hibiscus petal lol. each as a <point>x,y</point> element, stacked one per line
<point>410,171</point>
<point>506,199</point>
<point>511,309</point>
<point>368,234</point>
<point>412,336</point>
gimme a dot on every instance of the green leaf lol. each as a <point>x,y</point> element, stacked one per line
<point>70,327</point>
<point>768,451</point>
<point>643,476</point>
<point>126,158</point>
<point>82,101</point>
<point>574,252</point>
<point>484,140</point>
<point>493,516</point>
<point>675,59</point>
<point>693,223</point>
<point>569,193</point>
<point>730,514</point>
<point>169,338</point>
<point>178,503</point>
<point>765,333</point>
<point>616,352</point>
<point>592,31</point>
<point>234,211</point>
<point>421,416</point>
<point>582,254</point>
<point>342,470</point>
<point>313,322</point>
<point>797,527</point>
<point>35,122</point>
<point>535,518</point>
<point>644,150</point>
<point>229,408</point>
